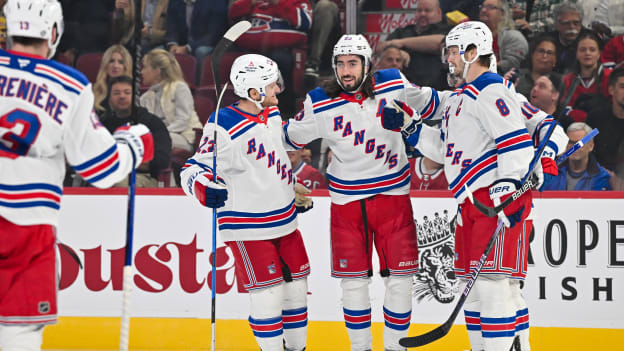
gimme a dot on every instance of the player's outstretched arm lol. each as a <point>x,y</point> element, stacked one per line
<point>94,154</point>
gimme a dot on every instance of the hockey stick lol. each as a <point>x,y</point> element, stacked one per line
<point>531,182</point>
<point>442,330</point>
<point>215,59</point>
<point>124,337</point>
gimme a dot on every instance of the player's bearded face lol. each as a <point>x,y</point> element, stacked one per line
<point>350,71</point>
<point>271,91</point>
<point>456,64</point>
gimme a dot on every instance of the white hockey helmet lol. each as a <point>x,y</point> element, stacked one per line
<point>353,44</point>
<point>470,33</point>
<point>254,71</point>
<point>35,19</point>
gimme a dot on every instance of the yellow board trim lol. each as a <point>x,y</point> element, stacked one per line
<point>100,333</point>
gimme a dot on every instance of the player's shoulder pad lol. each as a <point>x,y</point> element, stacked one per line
<point>232,120</point>
<point>387,80</point>
<point>69,77</point>
<point>484,81</point>
<point>317,94</point>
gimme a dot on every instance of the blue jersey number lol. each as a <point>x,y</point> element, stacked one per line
<point>502,107</point>
<point>19,129</point>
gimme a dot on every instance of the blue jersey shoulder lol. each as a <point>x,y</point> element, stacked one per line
<point>317,94</point>
<point>386,75</point>
<point>486,79</point>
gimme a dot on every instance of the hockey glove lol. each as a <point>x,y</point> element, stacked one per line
<point>400,117</point>
<point>140,141</point>
<point>302,202</point>
<point>499,192</point>
<point>545,171</point>
<point>209,193</point>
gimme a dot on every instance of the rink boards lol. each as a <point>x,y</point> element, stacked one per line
<point>575,288</point>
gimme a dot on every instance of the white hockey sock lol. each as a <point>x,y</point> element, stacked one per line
<point>21,337</point>
<point>473,318</point>
<point>397,310</point>
<point>265,317</point>
<point>295,314</point>
<point>522,315</point>
<point>357,312</point>
<point>497,312</point>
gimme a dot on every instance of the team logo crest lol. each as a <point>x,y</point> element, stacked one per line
<point>343,263</point>
<point>272,269</point>
<point>436,251</point>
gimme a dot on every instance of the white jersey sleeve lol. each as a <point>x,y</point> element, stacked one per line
<point>303,127</point>
<point>537,123</point>
<point>91,150</point>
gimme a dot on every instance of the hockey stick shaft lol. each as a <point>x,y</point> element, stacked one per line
<point>442,330</point>
<point>579,144</point>
<point>530,182</point>
<point>124,337</point>
<point>215,60</point>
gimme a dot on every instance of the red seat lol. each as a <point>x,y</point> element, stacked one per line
<point>89,65</point>
<point>204,106</point>
<point>188,64</point>
<point>209,91</point>
<point>207,77</point>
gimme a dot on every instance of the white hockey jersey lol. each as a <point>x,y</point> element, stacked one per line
<point>483,137</point>
<point>252,162</point>
<point>46,118</point>
<point>367,159</point>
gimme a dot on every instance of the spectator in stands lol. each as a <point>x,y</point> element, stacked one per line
<point>195,27</point>
<point>154,26</point>
<point>535,16</point>
<point>545,95</point>
<point>3,30</point>
<point>277,26</point>
<point>568,18</point>
<point>587,86</point>
<point>613,54</point>
<point>542,61</point>
<point>169,97</point>
<point>427,174</point>
<point>326,22</point>
<point>617,179</point>
<point>510,46</point>
<point>87,27</point>
<point>609,119</point>
<point>393,57</point>
<point>422,41</point>
<point>120,113</point>
<point>116,61</point>
<point>306,174</point>
<point>580,171</point>
<point>605,17</point>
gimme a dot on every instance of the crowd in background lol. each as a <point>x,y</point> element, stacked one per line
<point>565,57</point>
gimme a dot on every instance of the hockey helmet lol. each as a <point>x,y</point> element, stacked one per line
<point>470,33</point>
<point>35,19</point>
<point>254,71</point>
<point>353,44</point>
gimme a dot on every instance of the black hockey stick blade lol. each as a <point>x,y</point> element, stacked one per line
<point>429,337</point>
<point>224,44</point>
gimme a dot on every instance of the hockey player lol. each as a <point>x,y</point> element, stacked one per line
<point>258,220</point>
<point>46,119</point>
<point>486,150</point>
<point>369,186</point>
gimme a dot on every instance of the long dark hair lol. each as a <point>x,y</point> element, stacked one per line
<point>333,89</point>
